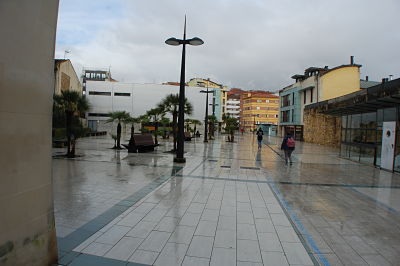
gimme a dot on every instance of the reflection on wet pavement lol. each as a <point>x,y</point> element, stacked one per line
<point>230,204</point>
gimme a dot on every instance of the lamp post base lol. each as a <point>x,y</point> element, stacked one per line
<point>179,160</point>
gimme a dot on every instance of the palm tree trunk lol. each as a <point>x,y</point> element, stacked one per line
<point>119,136</point>
<point>68,118</point>
<point>156,132</point>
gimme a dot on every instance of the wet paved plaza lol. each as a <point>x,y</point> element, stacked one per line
<point>230,204</point>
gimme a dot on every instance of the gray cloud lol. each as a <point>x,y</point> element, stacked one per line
<point>249,44</point>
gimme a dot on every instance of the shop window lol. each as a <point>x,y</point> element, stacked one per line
<point>355,121</point>
<point>344,135</point>
<point>378,155</point>
<point>344,151</point>
<point>367,155</point>
<point>389,114</point>
<point>379,117</point>
<point>368,120</point>
<point>370,136</point>
<point>344,121</point>
<point>354,153</point>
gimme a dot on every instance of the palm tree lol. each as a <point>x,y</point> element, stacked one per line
<point>143,120</point>
<point>196,123</point>
<point>72,103</point>
<point>212,120</point>
<point>165,121</point>
<point>231,124</point>
<point>132,121</point>
<point>119,116</point>
<point>188,121</point>
<point>170,104</point>
<point>155,115</point>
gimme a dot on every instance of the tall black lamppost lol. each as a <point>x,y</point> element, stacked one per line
<point>206,118</point>
<point>181,115</point>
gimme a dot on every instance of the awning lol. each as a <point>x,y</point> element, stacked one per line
<point>383,95</point>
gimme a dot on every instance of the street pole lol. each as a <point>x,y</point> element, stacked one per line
<point>206,118</point>
<point>181,112</point>
<point>181,115</point>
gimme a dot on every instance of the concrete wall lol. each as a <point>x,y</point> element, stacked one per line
<point>27,232</point>
<point>143,98</point>
<point>321,129</point>
<point>339,82</point>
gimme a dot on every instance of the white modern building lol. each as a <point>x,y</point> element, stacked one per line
<point>110,96</point>
<point>233,107</point>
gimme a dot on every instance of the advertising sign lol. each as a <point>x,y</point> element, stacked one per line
<point>388,141</point>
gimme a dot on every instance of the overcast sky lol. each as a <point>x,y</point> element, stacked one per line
<point>250,44</point>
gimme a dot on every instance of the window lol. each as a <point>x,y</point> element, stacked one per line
<point>305,97</point>
<point>103,93</point>
<point>285,116</point>
<point>311,95</point>
<point>98,114</point>
<point>258,108</point>
<point>122,94</point>
<point>292,98</point>
<point>285,100</point>
<point>267,101</point>
<point>259,101</point>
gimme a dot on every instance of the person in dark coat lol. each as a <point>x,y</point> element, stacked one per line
<point>259,134</point>
<point>288,146</point>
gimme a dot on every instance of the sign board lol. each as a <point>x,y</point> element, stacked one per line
<point>388,145</point>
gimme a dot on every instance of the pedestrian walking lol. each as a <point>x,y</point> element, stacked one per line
<point>259,134</point>
<point>288,145</point>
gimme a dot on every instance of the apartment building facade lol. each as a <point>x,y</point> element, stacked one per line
<point>315,85</point>
<point>233,102</point>
<point>219,96</point>
<point>65,77</point>
<point>258,108</point>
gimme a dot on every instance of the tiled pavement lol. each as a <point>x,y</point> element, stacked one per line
<point>230,204</point>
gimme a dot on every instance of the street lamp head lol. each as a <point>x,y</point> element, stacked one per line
<point>195,41</point>
<point>173,41</point>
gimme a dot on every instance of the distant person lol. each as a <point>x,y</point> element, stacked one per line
<point>242,130</point>
<point>259,134</point>
<point>197,134</point>
<point>288,145</point>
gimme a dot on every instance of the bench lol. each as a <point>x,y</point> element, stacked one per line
<point>59,143</point>
<point>96,133</point>
<point>140,143</point>
<point>188,136</point>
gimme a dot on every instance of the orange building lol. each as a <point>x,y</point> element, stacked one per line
<point>258,108</point>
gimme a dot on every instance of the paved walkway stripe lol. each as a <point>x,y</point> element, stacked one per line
<point>291,183</point>
<point>299,228</point>
<point>68,243</point>
<point>383,205</point>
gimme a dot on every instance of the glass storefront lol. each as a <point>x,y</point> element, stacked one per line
<point>362,136</point>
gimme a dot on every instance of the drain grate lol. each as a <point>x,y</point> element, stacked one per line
<point>213,161</point>
<point>225,166</point>
<point>250,168</point>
